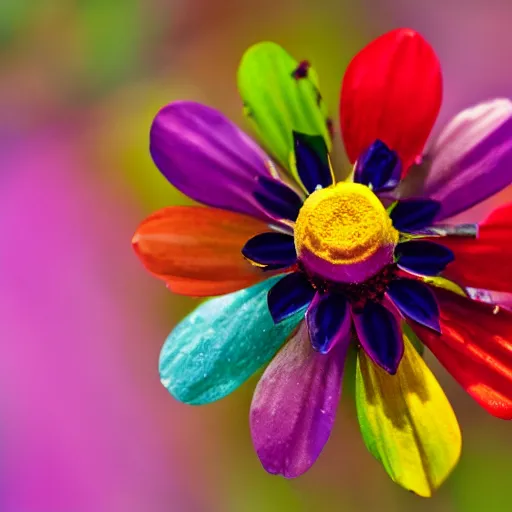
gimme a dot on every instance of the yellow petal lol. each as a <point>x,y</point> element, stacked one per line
<point>407,422</point>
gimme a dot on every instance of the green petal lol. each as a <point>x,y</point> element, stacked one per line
<point>407,422</point>
<point>411,336</point>
<point>221,344</point>
<point>279,104</point>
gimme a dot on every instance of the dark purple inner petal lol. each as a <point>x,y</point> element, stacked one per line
<point>378,167</point>
<point>412,215</point>
<point>380,335</point>
<point>312,160</point>
<point>272,249</point>
<point>423,257</point>
<point>416,301</point>
<point>288,295</point>
<point>328,319</point>
<point>277,198</point>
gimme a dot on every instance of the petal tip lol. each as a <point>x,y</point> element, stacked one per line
<point>277,470</point>
<point>174,391</point>
<point>436,326</point>
<point>277,316</point>
<point>139,248</point>
<point>425,493</point>
<point>262,46</point>
<point>391,369</point>
<point>500,410</point>
<point>408,33</point>
<point>396,363</point>
<point>135,240</point>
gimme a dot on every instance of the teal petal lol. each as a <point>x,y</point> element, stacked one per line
<point>221,344</point>
<point>279,104</point>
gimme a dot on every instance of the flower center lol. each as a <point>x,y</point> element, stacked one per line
<point>344,233</point>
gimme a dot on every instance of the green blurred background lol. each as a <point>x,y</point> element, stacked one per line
<point>85,424</point>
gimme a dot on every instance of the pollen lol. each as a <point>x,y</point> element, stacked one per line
<point>345,224</point>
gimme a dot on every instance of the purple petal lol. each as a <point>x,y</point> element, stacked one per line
<point>288,295</point>
<point>294,405</point>
<point>329,321</point>
<point>312,161</point>
<point>209,159</point>
<point>273,250</point>
<point>411,215</point>
<point>379,333</point>
<point>423,257</point>
<point>379,167</point>
<point>416,301</point>
<point>472,158</point>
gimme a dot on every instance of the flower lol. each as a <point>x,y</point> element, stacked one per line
<point>311,267</point>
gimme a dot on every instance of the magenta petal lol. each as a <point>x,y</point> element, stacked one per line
<point>208,158</point>
<point>294,405</point>
<point>471,160</point>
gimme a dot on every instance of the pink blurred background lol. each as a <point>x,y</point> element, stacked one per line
<point>85,425</point>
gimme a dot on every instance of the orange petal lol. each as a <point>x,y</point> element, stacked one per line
<point>201,288</point>
<point>197,251</point>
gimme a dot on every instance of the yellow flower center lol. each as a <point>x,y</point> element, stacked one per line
<point>345,224</point>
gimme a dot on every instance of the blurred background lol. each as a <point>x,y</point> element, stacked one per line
<point>85,425</point>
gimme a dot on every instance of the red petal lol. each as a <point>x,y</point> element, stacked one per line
<point>484,262</point>
<point>197,251</point>
<point>476,348</point>
<point>391,91</point>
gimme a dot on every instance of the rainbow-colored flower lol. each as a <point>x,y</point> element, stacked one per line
<point>312,267</point>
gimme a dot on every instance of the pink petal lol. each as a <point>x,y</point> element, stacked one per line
<point>472,158</point>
